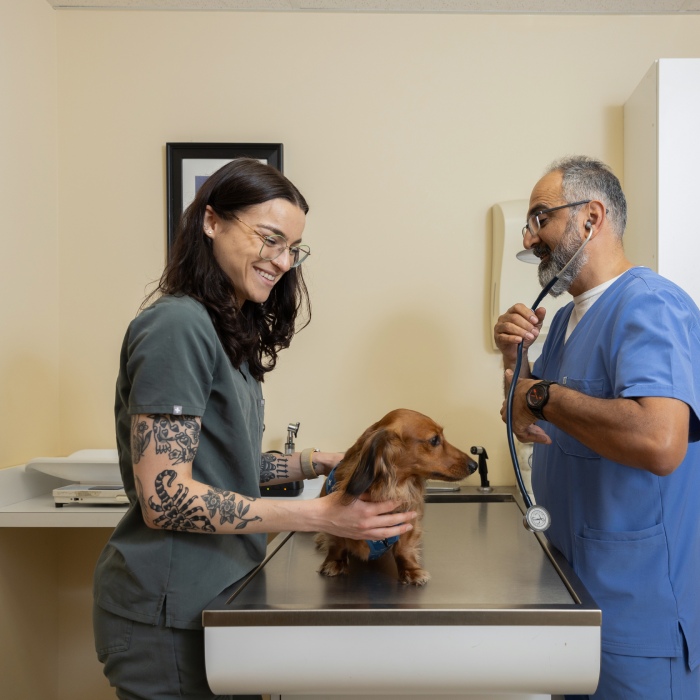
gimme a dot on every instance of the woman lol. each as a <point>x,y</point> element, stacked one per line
<point>189,423</point>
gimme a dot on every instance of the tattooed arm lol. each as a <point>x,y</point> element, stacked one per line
<point>163,449</point>
<point>278,469</point>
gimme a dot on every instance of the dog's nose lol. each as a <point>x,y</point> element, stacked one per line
<point>473,466</point>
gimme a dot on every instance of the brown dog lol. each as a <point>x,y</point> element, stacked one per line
<point>391,461</point>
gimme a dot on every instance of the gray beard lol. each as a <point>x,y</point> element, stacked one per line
<point>564,251</point>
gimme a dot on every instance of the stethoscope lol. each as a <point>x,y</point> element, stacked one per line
<point>536,518</point>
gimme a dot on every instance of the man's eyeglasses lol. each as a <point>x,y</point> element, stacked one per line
<point>273,245</point>
<point>533,224</point>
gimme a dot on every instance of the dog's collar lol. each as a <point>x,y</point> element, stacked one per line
<point>376,547</point>
<point>330,480</point>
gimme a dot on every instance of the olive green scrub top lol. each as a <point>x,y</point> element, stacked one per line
<point>172,362</point>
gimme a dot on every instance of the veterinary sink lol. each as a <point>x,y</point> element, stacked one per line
<point>503,613</point>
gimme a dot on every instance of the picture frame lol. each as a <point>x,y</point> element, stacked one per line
<point>189,164</point>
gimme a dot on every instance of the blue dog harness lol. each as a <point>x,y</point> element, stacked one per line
<point>376,547</point>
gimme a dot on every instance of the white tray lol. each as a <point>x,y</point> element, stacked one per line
<point>94,466</point>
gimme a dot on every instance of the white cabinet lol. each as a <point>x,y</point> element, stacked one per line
<point>662,171</point>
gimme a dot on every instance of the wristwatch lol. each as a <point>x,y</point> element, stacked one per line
<point>537,397</point>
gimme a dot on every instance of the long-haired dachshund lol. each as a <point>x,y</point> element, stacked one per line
<point>391,461</point>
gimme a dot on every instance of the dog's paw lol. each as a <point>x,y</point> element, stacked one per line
<point>334,567</point>
<point>415,577</point>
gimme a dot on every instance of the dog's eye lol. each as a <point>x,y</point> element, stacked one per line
<point>435,441</point>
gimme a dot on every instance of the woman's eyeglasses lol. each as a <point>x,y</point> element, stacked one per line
<point>273,245</point>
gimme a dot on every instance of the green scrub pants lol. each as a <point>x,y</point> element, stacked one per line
<point>153,662</point>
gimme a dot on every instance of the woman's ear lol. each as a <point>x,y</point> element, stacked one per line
<point>210,222</point>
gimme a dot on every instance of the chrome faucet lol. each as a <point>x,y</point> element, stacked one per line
<point>483,469</point>
<point>292,431</point>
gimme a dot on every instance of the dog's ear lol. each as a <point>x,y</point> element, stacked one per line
<point>374,464</point>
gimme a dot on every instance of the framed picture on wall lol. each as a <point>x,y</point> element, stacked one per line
<point>188,165</point>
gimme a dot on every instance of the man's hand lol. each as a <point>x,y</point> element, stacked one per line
<point>517,325</point>
<point>524,427</point>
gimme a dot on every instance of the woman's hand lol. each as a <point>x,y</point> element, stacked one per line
<point>362,520</point>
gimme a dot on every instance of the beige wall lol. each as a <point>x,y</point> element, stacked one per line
<point>29,319</point>
<point>29,316</point>
<point>401,130</point>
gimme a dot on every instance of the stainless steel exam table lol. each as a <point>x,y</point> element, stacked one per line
<point>503,613</point>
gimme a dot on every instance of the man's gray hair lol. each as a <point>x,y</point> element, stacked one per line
<point>588,178</point>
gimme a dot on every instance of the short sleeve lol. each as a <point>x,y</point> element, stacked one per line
<point>655,349</point>
<point>171,350</point>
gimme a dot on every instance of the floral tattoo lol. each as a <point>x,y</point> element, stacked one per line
<point>228,508</point>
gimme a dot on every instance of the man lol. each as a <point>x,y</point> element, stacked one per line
<point>616,426</point>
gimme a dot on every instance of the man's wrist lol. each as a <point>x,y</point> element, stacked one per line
<point>537,397</point>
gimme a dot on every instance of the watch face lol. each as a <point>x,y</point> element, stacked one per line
<point>537,394</point>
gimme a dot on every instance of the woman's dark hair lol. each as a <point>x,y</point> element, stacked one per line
<point>255,332</point>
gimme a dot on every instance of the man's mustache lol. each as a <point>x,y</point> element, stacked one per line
<point>541,250</point>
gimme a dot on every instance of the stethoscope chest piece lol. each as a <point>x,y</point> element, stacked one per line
<point>537,519</point>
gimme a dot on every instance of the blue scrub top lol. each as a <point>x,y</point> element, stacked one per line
<point>633,538</point>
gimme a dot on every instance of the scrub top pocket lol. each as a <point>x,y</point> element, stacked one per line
<point>589,387</point>
<point>568,445</point>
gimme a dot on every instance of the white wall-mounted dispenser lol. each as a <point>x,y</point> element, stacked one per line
<point>512,280</point>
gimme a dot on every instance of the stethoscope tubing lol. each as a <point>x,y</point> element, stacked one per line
<point>516,373</point>
<point>509,402</point>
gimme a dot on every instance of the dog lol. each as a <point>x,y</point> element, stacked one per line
<point>391,461</point>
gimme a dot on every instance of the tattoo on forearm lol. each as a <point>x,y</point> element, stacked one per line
<point>229,509</point>
<point>273,466</point>
<point>177,513</point>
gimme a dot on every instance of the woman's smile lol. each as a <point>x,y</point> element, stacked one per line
<point>238,244</point>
